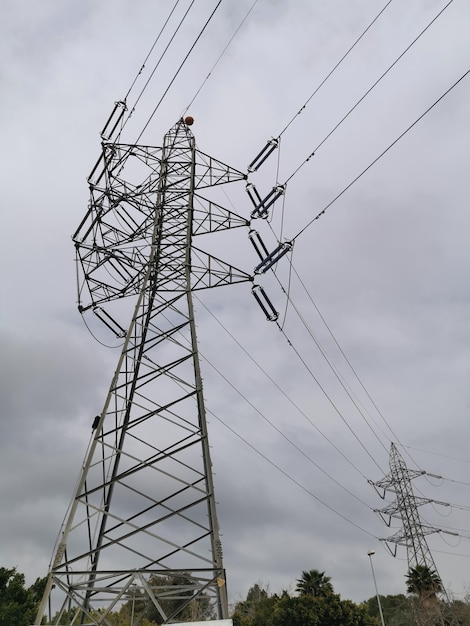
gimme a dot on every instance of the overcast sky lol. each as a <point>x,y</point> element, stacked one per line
<point>387,268</point>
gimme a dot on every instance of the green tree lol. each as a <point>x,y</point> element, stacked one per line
<point>456,612</point>
<point>396,609</point>
<point>18,605</point>
<point>424,584</point>
<point>321,607</point>
<point>314,583</point>
<point>327,610</point>
<point>423,581</point>
<point>177,605</point>
<point>256,610</point>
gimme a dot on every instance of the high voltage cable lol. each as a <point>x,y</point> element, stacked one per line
<point>142,67</point>
<point>322,212</point>
<point>275,428</point>
<point>293,403</point>
<point>343,354</point>
<point>351,367</point>
<point>347,388</point>
<point>323,141</point>
<point>349,392</point>
<point>445,456</point>
<point>461,507</point>
<point>334,69</point>
<point>281,390</point>
<point>458,530</point>
<point>166,49</point>
<point>369,90</point>
<point>283,435</point>
<point>179,68</point>
<point>336,373</point>
<point>157,64</point>
<point>443,478</point>
<point>450,480</point>
<point>330,364</point>
<point>221,55</point>
<point>334,369</point>
<point>289,477</point>
<point>466,556</point>
<point>317,88</point>
<point>323,390</point>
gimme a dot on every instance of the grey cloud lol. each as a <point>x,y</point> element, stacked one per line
<point>387,265</point>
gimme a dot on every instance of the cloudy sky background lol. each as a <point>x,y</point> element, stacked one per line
<point>386,267</point>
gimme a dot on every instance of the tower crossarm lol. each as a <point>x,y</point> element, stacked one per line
<point>210,172</point>
<point>394,509</point>
<point>211,217</point>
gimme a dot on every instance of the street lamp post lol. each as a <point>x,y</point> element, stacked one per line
<point>369,554</point>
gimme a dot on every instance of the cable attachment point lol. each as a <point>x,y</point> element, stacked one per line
<point>113,120</point>
<point>258,244</point>
<point>263,155</point>
<point>265,303</point>
<point>273,257</point>
<point>262,205</point>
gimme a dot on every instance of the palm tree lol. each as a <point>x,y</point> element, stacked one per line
<point>314,583</point>
<point>423,581</point>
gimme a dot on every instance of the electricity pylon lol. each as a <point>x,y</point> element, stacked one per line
<point>413,533</point>
<point>142,526</point>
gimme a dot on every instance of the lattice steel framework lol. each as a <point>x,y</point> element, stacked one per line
<point>142,524</point>
<point>413,533</point>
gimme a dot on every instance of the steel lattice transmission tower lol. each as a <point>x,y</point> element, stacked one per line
<point>413,533</point>
<point>142,526</point>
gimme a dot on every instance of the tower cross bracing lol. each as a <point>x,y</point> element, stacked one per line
<point>142,523</point>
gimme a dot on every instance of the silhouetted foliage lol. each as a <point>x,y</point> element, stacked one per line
<point>256,610</point>
<point>396,609</point>
<point>314,583</point>
<point>316,605</point>
<point>423,581</point>
<point>18,605</point>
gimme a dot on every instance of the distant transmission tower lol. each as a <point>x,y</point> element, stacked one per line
<point>413,533</point>
<point>142,530</point>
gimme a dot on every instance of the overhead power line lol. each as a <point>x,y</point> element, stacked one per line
<point>221,55</point>
<point>283,435</point>
<point>323,211</point>
<point>329,398</point>
<point>445,456</point>
<point>346,54</point>
<point>343,354</point>
<point>157,64</point>
<point>371,88</point>
<point>179,68</point>
<point>142,67</point>
<point>335,370</point>
<point>279,388</point>
<point>291,478</point>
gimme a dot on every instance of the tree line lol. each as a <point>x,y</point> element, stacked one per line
<point>316,604</point>
<point>313,603</point>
